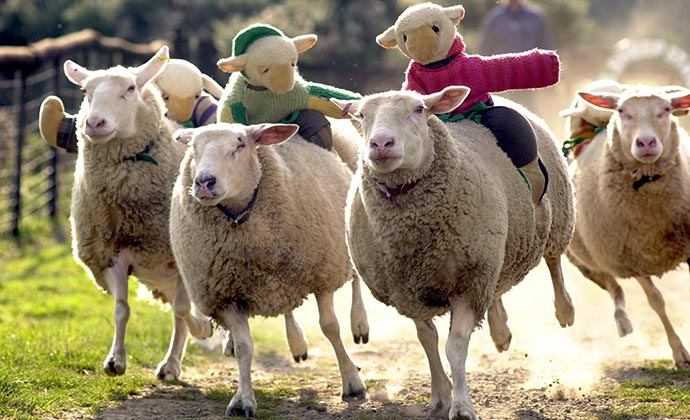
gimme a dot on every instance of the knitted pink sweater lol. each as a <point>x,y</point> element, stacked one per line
<point>496,73</point>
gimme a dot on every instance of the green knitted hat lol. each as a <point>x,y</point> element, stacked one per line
<point>251,33</point>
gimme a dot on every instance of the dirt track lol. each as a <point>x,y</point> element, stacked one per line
<point>548,372</point>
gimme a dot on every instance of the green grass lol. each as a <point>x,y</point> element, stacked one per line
<point>56,330</point>
<point>658,390</point>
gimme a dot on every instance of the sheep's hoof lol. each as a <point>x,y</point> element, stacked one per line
<point>112,368</point>
<point>355,394</point>
<point>239,410</point>
<point>623,323</point>
<point>463,412</point>
<point>167,371</point>
<point>364,338</point>
<point>301,357</point>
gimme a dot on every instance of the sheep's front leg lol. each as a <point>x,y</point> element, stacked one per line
<point>656,301</point>
<point>243,402</point>
<point>498,325</point>
<point>353,386</point>
<point>565,311</point>
<point>116,277</point>
<point>296,338</point>
<point>462,321</point>
<point>358,314</point>
<point>440,384</point>
<point>184,321</point>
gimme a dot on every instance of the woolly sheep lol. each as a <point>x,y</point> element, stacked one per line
<point>256,227</point>
<point>632,186</point>
<point>439,220</point>
<point>126,166</point>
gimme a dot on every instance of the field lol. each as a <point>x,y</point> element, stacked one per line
<point>56,328</point>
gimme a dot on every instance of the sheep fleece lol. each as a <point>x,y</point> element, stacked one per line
<point>292,244</point>
<point>117,204</point>
<point>468,221</point>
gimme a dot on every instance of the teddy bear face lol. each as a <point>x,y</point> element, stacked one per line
<point>272,63</point>
<point>424,32</point>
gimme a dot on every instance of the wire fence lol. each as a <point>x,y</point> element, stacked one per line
<point>35,179</point>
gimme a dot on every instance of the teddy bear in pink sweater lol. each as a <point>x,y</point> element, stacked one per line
<point>427,34</point>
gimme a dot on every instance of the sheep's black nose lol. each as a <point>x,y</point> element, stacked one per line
<point>205,181</point>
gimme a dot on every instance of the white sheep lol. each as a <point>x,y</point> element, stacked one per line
<point>256,226</point>
<point>584,121</point>
<point>632,186</point>
<point>439,220</point>
<point>127,163</point>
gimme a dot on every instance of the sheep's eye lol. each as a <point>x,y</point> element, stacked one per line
<point>404,38</point>
<point>359,115</point>
<point>166,98</point>
<point>435,28</point>
<point>196,96</point>
<point>265,70</point>
<point>419,109</point>
<point>293,64</point>
<point>131,89</point>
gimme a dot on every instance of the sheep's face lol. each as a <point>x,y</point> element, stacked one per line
<point>645,124</point>
<point>113,96</point>
<point>113,104</point>
<point>424,32</point>
<point>644,120</point>
<point>395,128</point>
<point>224,163</point>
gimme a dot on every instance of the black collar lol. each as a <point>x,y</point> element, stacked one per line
<point>241,217</point>
<point>255,87</point>
<point>440,63</point>
<point>645,179</point>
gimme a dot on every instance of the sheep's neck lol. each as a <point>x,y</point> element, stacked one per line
<point>240,217</point>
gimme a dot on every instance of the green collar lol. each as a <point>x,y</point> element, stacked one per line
<point>142,156</point>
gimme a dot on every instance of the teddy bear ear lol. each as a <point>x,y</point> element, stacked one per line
<point>304,42</point>
<point>387,38</point>
<point>455,13</point>
<point>233,64</point>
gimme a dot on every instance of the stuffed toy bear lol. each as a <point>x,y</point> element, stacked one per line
<point>265,86</point>
<point>184,88</point>
<point>427,34</point>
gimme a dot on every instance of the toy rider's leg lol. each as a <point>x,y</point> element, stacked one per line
<point>315,128</point>
<point>57,127</point>
<point>515,136</point>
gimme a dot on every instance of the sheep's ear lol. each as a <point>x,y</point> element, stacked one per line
<point>268,134</point>
<point>446,100</point>
<point>233,64</point>
<point>75,73</point>
<point>455,14</point>
<point>153,67</point>
<point>183,135</point>
<point>211,86</point>
<point>349,107</point>
<point>304,42</point>
<point>681,102</point>
<point>601,100</point>
<point>387,38</point>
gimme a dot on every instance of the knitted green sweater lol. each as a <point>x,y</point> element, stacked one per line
<point>253,105</point>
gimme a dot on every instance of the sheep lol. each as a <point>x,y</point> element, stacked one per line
<point>255,227</point>
<point>126,165</point>
<point>583,121</point>
<point>632,186</point>
<point>439,220</point>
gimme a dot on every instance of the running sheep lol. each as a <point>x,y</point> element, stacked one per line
<point>632,185</point>
<point>257,224</point>
<point>439,220</point>
<point>126,166</point>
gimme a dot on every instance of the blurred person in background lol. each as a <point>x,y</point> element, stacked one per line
<point>515,26</point>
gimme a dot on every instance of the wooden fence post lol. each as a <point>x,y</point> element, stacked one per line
<point>20,98</point>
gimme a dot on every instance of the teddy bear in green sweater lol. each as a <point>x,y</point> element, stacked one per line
<point>265,86</point>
